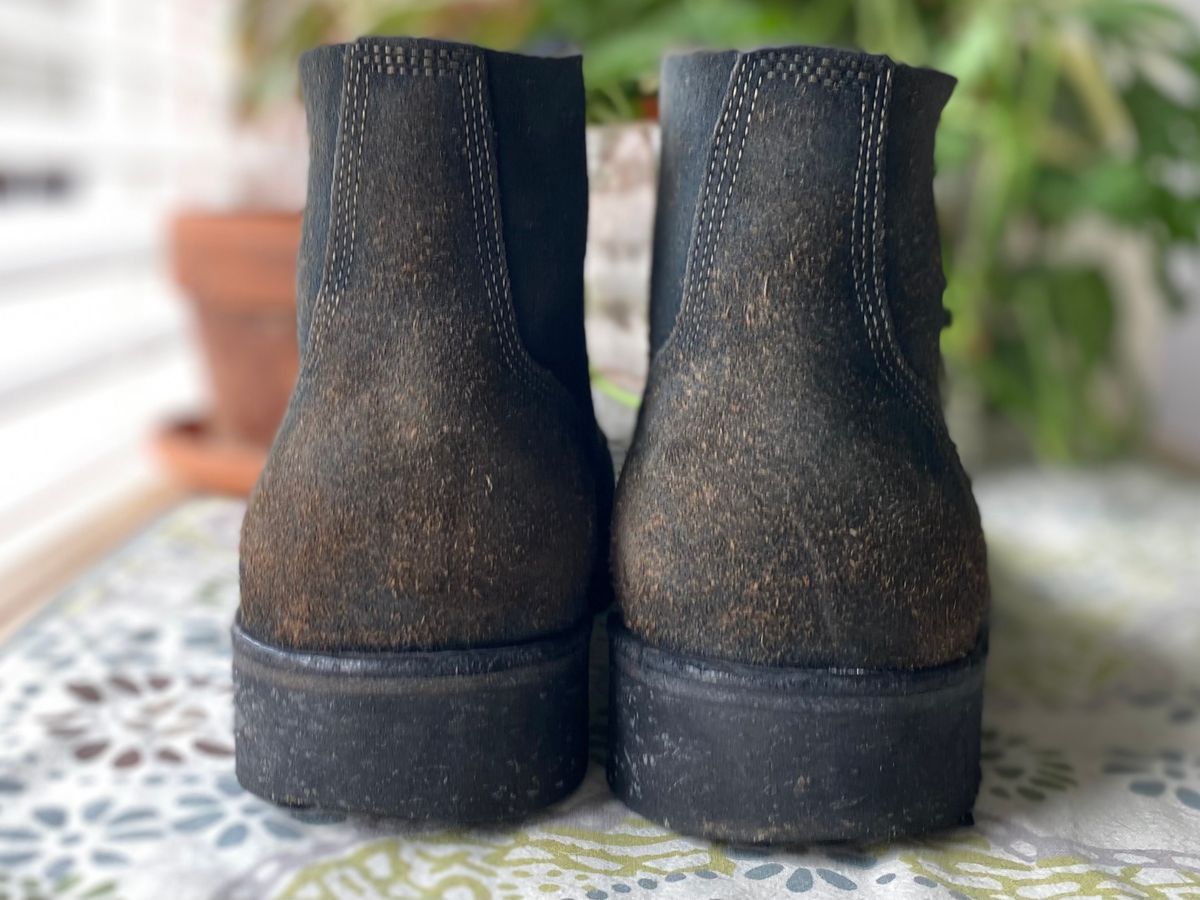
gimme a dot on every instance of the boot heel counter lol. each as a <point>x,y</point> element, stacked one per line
<point>430,531</point>
<point>877,560</point>
<point>924,595</point>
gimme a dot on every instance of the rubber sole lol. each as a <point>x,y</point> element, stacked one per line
<point>763,755</point>
<point>455,736</point>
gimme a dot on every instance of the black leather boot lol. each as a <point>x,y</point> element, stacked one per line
<point>418,557</point>
<point>799,563</point>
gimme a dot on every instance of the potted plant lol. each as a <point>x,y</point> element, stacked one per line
<point>238,269</point>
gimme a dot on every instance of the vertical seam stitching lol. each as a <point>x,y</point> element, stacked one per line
<point>344,216</point>
<point>339,246</point>
<point>470,137</point>
<point>704,227</point>
<point>860,226</point>
<point>737,164</point>
<point>718,222</point>
<point>520,361</point>
<point>857,237</point>
<point>354,171</point>
<point>884,333</point>
<point>336,210</point>
<point>487,264</point>
<point>698,269</point>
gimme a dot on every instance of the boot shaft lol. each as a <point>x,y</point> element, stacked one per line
<point>808,171</point>
<point>450,173</point>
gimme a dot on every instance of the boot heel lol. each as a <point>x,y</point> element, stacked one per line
<point>453,736</point>
<point>756,754</point>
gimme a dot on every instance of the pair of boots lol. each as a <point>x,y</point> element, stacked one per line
<point>798,565</point>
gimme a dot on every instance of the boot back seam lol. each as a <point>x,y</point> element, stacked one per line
<point>698,278</point>
<point>869,272</point>
<point>491,254</point>
<point>365,60</point>
<point>340,249</point>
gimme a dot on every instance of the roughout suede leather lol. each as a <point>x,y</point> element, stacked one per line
<point>439,480</point>
<point>792,496</point>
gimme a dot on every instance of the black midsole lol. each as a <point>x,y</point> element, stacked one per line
<point>451,736</point>
<point>765,754</point>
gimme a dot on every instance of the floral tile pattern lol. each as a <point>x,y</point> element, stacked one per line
<point>116,777</point>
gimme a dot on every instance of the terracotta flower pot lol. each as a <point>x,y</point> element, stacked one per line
<point>239,271</point>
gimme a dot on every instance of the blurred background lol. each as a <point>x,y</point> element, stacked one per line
<point>152,162</point>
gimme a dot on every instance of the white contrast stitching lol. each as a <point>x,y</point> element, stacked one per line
<point>471,132</point>
<point>888,355</point>
<point>704,229</point>
<point>344,212</point>
<point>919,393</point>
<point>706,272</point>
<point>492,268</point>
<point>872,140</point>
<point>339,242</point>
<point>878,111</point>
<point>336,204</point>
<point>870,185</point>
<point>703,244</point>
<point>520,361</point>
<point>362,130</point>
<point>857,229</point>
<point>356,169</point>
<point>867,229</point>
<point>340,268</point>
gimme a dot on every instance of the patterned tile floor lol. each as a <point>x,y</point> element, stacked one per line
<point>116,775</point>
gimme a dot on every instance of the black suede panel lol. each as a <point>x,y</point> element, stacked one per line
<point>792,496</point>
<point>692,87</point>
<point>321,74</point>
<point>432,485</point>
<point>537,107</point>
<point>915,280</point>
